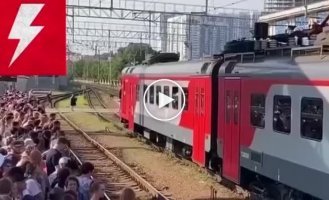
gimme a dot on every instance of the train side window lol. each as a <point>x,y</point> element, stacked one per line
<point>146,94</point>
<point>311,121</point>
<point>186,98</point>
<point>175,93</point>
<point>257,110</point>
<point>137,92</point>
<point>204,68</point>
<point>157,91</point>
<point>282,114</point>
<point>166,91</point>
<point>152,94</point>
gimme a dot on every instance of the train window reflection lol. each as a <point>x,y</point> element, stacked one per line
<point>158,90</point>
<point>137,92</point>
<point>175,93</point>
<point>152,94</point>
<point>257,110</point>
<point>166,92</point>
<point>282,114</point>
<point>146,94</point>
<point>311,123</point>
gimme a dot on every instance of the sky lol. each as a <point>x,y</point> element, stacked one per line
<point>245,4</point>
<point>239,4</point>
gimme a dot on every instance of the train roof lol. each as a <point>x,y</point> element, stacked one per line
<point>177,68</point>
<point>311,66</point>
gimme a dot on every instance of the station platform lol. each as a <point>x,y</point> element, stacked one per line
<point>81,110</point>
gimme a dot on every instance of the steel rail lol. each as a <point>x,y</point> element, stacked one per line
<point>145,185</point>
<point>91,105</point>
<point>75,156</point>
<point>55,99</point>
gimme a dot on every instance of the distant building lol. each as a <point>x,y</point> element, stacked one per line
<point>279,5</point>
<point>279,21</point>
<point>163,30</point>
<point>197,36</point>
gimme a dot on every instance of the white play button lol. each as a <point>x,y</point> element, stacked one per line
<point>158,94</point>
<point>164,100</point>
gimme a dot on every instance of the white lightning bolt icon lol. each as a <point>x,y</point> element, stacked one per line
<point>22,29</point>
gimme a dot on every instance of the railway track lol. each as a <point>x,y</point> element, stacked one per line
<point>110,90</point>
<point>108,168</point>
<point>95,102</point>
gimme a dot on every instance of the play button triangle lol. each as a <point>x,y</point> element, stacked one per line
<point>164,100</point>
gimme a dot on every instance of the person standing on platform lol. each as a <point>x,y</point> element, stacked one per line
<point>49,100</point>
<point>73,101</point>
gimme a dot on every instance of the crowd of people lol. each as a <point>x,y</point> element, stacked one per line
<point>34,156</point>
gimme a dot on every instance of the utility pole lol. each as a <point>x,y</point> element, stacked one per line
<point>110,71</point>
<point>150,27</point>
<point>207,3</point>
<point>99,64</point>
<point>88,71</point>
<point>99,61</point>
<point>306,8</point>
<point>73,25</point>
<point>109,59</point>
<point>189,37</point>
<point>84,72</point>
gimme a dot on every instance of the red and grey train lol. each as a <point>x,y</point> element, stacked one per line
<point>259,124</point>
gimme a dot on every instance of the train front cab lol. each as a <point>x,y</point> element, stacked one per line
<point>128,100</point>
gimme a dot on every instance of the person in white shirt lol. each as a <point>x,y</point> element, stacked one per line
<point>33,187</point>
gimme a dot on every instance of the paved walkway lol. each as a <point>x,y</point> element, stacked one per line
<point>81,110</point>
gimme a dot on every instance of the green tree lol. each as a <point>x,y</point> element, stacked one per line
<point>98,67</point>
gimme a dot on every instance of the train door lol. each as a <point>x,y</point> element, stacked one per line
<point>131,104</point>
<point>199,121</point>
<point>124,99</point>
<point>231,137</point>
